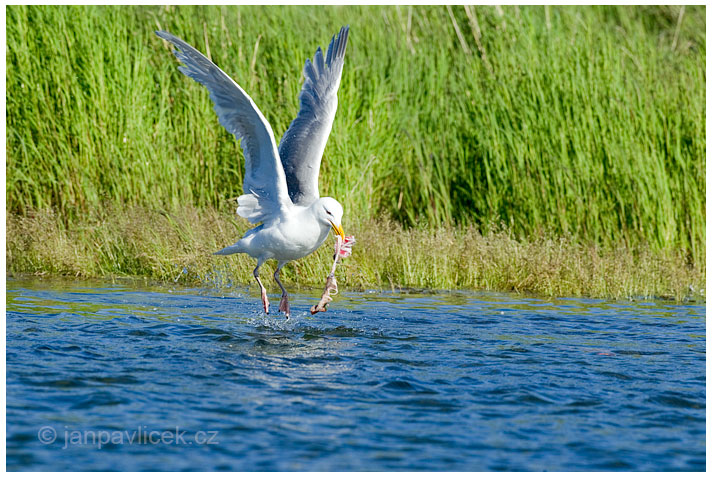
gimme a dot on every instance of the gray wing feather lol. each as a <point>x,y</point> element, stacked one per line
<point>264,174</point>
<point>302,146</point>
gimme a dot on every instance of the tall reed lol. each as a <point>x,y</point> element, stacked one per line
<point>579,121</point>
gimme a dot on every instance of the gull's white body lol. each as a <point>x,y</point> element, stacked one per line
<point>281,184</point>
<point>297,235</point>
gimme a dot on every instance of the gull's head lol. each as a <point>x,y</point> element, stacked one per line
<point>330,212</point>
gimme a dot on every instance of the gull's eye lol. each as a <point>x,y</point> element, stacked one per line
<point>327,212</point>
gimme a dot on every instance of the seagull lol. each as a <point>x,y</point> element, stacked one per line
<point>281,185</point>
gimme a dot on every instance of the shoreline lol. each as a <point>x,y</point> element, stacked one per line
<point>162,246</point>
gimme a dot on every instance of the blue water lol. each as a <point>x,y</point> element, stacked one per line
<point>383,381</point>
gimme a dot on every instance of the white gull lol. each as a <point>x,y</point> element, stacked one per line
<point>281,186</point>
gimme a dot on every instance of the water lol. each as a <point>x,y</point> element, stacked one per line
<point>461,381</point>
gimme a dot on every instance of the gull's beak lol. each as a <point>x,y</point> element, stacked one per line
<point>338,230</point>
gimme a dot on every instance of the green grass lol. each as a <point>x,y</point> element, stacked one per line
<point>583,123</point>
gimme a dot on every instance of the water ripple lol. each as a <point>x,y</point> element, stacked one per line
<point>383,381</point>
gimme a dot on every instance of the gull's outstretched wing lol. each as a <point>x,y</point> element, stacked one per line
<point>265,186</point>
<point>303,144</point>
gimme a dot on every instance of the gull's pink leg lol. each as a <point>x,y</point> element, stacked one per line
<point>284,302</point>
<point>265,301</point>
<point>284,305</point>
<point>263,291</point>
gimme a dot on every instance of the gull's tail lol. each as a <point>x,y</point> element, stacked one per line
<point>234,249</point>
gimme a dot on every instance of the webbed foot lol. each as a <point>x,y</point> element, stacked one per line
<point>284,304</point>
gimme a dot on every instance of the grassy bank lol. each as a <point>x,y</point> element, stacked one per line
<point>581,121</point>
<point>582,129</point>
<point>177,246</point>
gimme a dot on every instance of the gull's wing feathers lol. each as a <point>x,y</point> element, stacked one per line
<point>303,144</point>
<point>265,186</point>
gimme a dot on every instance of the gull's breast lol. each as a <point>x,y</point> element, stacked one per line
<point>298,239</point>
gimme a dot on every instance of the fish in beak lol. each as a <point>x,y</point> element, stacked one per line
<point>338,230</point>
